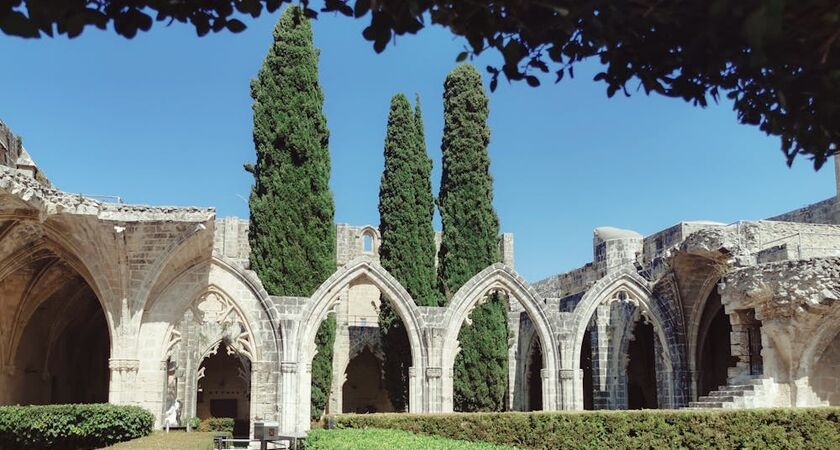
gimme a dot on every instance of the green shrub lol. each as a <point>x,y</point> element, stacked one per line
<point>388,439</point>
<point>71,427</point>
<point>195,423</point>
<point>703,429</point>
<point>217,424</point>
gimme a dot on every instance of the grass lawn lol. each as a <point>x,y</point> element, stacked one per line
<point>176,440</point>
<point>376,439</point>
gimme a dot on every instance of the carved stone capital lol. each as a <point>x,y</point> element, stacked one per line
<point>568,374</point>
<point>288,367</point>
<point>434,372</point>
<point>124,365</point>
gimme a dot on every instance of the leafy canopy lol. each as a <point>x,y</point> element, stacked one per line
<point>778,60</point>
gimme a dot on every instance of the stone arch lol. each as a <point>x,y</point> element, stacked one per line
<point>628,286</point>
<point>326,297</point>
<point>324,300</point>
<point>160,336</point>
<point>695,318</point>
<point>58,263</point>
<point>499,277</point>
<point>604,290</point>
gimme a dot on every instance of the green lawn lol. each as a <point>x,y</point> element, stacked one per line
<point>176,440</point>
<point>376,439</point>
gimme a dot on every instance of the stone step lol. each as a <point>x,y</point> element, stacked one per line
<point>705,405</point>
<point>738,387</point>
<point>732,393</point>
<point>717,399</point>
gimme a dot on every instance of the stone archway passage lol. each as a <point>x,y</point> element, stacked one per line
<point>364,389</point>
<point>535,360</point>
<point>641,368</point>
<point>714,354</point>
<point>63,352</point>
<point>224,388</point>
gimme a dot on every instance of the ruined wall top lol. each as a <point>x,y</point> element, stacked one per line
<point>10,146</point>
<point>50,201</point>
<point>352,241</point>
<point>14,156</point>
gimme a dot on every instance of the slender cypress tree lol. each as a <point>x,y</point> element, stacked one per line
<point>292,230</point>
<point>470,240</point>
<point>406,208</point>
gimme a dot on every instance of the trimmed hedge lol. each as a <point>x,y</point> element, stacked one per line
<point>704,429</point>
<point>217,424</point>
<point>71,427</point>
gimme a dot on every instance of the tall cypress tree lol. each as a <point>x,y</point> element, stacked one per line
<point>406,208</point>
<point>292,230</point>
<point>470,240</point>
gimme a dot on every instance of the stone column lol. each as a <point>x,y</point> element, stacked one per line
<point>263,391</point>
<point>289,400</point>
<point>601,335</point>
<point>571,389</point>
<point>341,358</point>
<point>440,398</point>
<point>415,392</point>
<point>123,378</point>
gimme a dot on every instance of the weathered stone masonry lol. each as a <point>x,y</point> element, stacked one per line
<point>700,313</point>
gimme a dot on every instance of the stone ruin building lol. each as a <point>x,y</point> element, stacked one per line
<point>155,306</point>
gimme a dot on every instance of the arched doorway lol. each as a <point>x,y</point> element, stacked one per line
<point>641,368</point>
<point>534,376</point>
<point>714,353</point>
<point>63,350</point>
<point>224,388</point>
<point>364,389</point>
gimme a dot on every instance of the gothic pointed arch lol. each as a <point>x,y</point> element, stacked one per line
<point>501,278</point>
<point>327,296</point>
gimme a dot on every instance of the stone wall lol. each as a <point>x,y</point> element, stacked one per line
<point>820,212</point>
<point>10,147</point>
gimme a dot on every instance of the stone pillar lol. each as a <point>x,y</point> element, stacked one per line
<point>601,335</point>
<point>415,394</point>
<point>549,390</point>
<point>439,390</point>
<point>341,358</point>
<point>263,391</point>
<point>288,393</point>
<point>571,389</point>
<point>123,379</point>
<point>516,359</point>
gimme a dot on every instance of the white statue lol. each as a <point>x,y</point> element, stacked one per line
<point>173,415</point>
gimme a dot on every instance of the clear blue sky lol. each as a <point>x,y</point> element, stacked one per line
<point>165,119</point>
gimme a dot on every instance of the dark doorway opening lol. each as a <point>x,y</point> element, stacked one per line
<point>586,367</point>
<point>641,368</point>
<point>714,354</point>
<point>535,365</point>
<point>364,390</point>
<point>225,389</point>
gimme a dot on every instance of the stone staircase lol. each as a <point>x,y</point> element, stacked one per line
<point>731,396</point>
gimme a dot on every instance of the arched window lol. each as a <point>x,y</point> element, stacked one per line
<point>367,242</point>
